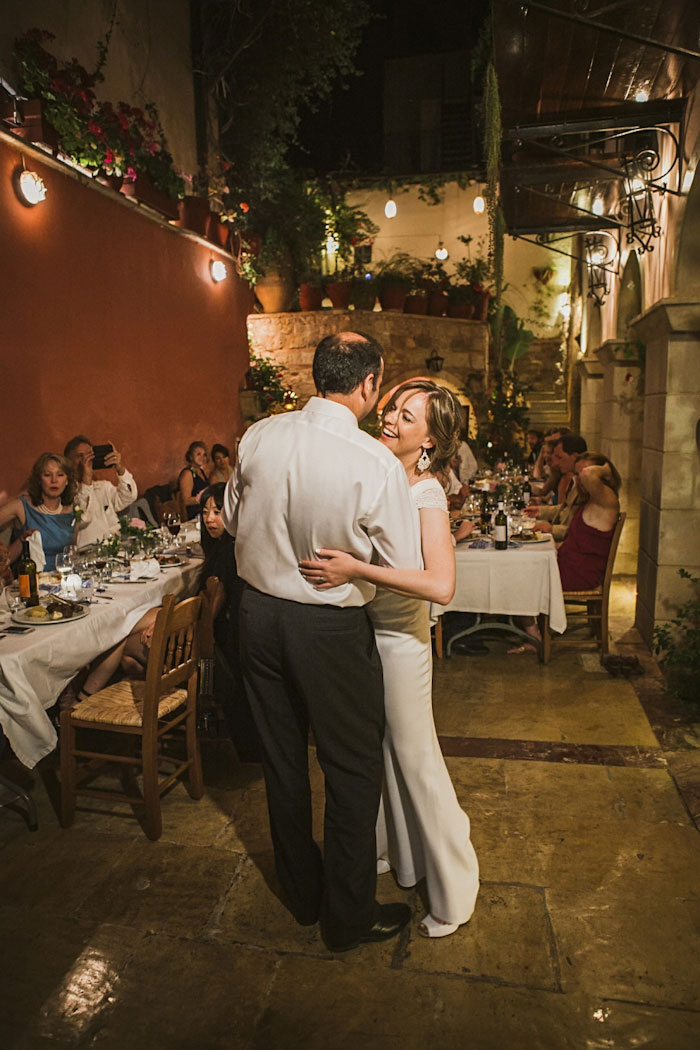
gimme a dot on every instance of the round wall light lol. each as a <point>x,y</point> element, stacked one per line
<point>390,209</point>
<point>441,252</point>
<point>29,187</point>
<point>218,270</point>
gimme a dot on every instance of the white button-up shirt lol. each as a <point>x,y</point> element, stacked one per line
<point>102,502</point>
<point>311,479</point>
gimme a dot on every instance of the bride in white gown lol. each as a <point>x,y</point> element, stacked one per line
<point>422,830</point>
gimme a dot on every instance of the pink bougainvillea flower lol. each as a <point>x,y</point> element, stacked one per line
<point>137,523</point>
<point>131,174</point>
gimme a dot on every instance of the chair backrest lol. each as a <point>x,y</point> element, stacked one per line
<point>614,543</point>
<point>174,655</point>
<point>169,506</point>
<point>213,597</point>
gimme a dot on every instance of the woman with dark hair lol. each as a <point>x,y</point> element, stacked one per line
<point>220,564</point>
<point>422,830</point>
<point>534,440</point>
<point>583,555</point>
<point>49,509</point>
<point>222,464</point>
<point>193,479</point>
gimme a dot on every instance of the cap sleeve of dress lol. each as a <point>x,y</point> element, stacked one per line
<point>429,493</point>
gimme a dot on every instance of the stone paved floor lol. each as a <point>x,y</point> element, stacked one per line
<point>583,795</point>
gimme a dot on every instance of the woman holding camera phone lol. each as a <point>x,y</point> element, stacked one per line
<point>101,501</point>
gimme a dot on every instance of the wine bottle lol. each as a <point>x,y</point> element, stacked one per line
<point>26,577</point>
<point>500,537</point>
<point>526,490</point>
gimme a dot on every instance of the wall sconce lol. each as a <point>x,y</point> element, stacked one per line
<point>637,209</point>
<point>600,249</point>
<point>479,205</point>
<point>218,270</point>
<point>29,187</point>
<point>434,363</point>
<point>441,252</point>
<point>390,209</point>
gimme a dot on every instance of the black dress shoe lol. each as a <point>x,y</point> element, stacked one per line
<point>469,647</point>
<point>390,920</point>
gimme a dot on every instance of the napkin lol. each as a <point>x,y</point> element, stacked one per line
<point>36,550</point>
<point>147,569</point>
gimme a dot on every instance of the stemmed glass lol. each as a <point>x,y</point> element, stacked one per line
<point>65,562</point>
<point>173,525</point>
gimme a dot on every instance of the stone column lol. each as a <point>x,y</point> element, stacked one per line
<point>591,374</point>
<point>670,495</point>
<point>621,437</point>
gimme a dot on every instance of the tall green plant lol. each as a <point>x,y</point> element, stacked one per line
<point>678,644</point>
<point>493,133</point>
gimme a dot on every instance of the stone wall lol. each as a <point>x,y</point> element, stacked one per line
<point>670,494</point>
<point>407,340</point>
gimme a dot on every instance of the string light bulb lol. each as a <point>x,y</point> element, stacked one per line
<point>479,205</point>
<point>390,209</point>
<point>441,252</point>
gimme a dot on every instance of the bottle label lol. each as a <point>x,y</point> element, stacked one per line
<point>501,534</point>
<point>526,497</point>
<point>24,585</point>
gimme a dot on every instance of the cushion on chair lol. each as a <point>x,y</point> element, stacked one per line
<point>595,593</point>
<point>121,704</point>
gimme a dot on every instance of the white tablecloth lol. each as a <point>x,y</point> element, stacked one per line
<point>515,582</point>
<point>36,667</point>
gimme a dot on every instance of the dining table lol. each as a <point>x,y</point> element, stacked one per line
<point>36,667</point>
<point>522,580</point>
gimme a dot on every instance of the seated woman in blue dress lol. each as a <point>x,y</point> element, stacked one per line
<point>48,507</point>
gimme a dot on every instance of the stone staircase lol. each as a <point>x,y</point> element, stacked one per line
<point>547,409</point>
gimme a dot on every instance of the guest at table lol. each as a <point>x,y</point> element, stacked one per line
<point>194,479</point>
<point>220,564</point>
<point>534,439</point>
<point>584,553</point>
<point>556,519</point>
<point>48,508</point>
<point>222,464</point>
<point>542,470</point>
<point>101,500</point>
<point>466,465</point>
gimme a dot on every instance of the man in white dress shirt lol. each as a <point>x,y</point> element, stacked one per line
<point>101,500</point>
<point>305,480</point>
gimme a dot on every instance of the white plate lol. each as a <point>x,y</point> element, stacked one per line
<point>30,621</point>
<point>530,543</point>
<point>171,565</point>
<point>118,580</point>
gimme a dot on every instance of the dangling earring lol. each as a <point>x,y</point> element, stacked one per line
<point>423,462</point>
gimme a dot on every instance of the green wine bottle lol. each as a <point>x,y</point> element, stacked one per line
<point>500,533</point>
<point>26,577</point>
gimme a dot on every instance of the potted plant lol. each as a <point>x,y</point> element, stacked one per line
<point>462,300</point>
<point>395,277</point>
<point>417,298</point>
<point>347,228</point>
<point>475,272</point>
<point>364,290</point>
<point>437,281</point>
<point>311,289</point>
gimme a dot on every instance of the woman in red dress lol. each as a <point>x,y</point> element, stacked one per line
<point>584,553</point>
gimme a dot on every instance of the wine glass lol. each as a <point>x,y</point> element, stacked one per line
<point>173,525</point>
<point>65,562</point>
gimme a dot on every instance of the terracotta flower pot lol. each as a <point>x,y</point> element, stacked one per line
<point>463,310</point>
<point>481,312</point>
<point>146,193</point>
<point>438,303</point>
<point>33,126</point>
<point>393,297</point>
<point>310,296</point>
<point>275,293</point>
<point>218,232</point>
<point>416,304</point>
<point>194,214</point>
<point>339,294</point>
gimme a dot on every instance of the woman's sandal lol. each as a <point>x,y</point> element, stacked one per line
<point>431,927</point>
<point>383,866</point>
<point>522,649</point>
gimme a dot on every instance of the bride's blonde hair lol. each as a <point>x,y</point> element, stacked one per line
<point>443,414</point>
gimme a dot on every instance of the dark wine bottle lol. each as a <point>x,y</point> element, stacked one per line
<point>26,577</point>
<point>526,490</point>
<point>500,522</point>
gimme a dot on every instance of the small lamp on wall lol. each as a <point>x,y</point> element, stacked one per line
<point>29,187</point>
<point>434,363</point>
<point>218,270</point>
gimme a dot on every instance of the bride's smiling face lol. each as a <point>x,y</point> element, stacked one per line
<point>404,424</point>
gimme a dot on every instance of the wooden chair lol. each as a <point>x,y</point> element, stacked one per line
<point>154,711</point>
<point>595,602</point>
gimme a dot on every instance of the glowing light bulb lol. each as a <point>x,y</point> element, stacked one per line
<point>641,96</point>
<point>218,270</point>
<point>441,252</point>
<point>331,245</point>
<point>597,208</point>
<point>390,209</point>
<point>31,188</point>
<point>479,205</point>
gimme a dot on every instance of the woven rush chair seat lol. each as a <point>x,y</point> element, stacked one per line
<point>149,714</point>
<point>597,600</point>
<point>121,704</point>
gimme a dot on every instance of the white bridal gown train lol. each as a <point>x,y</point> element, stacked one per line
<point>422,831</point>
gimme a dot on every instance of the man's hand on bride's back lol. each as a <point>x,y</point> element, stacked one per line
<point>332,568</point>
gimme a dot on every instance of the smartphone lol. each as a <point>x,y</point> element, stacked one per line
<point>101,452</point>
<point>15,628</point>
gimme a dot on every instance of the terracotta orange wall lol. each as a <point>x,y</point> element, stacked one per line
<point>110,325</point>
